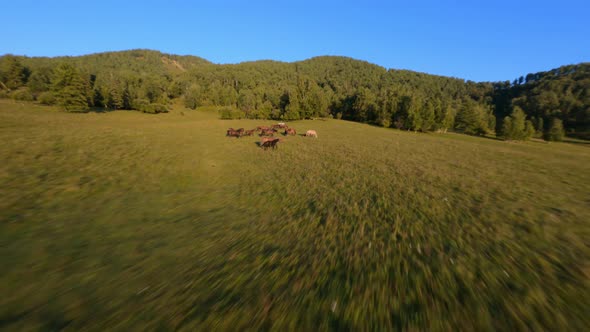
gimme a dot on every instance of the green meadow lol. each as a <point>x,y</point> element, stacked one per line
<point>128,221</point>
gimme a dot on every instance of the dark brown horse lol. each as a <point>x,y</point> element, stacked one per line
<point>269,143</point>
<point>268,139</point>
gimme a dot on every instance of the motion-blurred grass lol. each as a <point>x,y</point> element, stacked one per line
<point>126,221</point>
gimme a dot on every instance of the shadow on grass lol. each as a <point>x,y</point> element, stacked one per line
<point>100,110</point>
<point>576,141</point>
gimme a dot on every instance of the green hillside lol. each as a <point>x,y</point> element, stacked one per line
<point>326,86</point>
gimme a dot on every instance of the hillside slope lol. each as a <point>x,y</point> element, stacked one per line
<point>126,221</point>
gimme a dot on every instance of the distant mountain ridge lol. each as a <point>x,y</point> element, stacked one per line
<point>193,60</point>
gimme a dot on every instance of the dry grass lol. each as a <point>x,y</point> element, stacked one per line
<point>131,221</point>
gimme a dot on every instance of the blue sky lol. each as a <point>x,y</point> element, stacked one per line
<point>476,40</point>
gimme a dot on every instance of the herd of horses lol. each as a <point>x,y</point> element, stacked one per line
<point>267,134</point>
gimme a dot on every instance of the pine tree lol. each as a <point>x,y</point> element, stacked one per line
<point>507,128</point>
<point>246,100</point>
<point>472,119</point>
<point>12,72</point>
<point>40,80</point>
<point>555,132</point>
<point>540,128</point>
<point>427,117</point>
<point>70,88</point>
<point>529,130</point>
<point>292,112</point>
<point>193,97</point>
<point>115,97</point>
<point>515,127</point>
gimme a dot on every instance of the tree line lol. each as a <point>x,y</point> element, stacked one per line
<point>545,104</point>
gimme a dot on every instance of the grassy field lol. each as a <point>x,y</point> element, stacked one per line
<point>126,221</point>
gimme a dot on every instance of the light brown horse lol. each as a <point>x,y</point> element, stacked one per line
<point>311,133</point>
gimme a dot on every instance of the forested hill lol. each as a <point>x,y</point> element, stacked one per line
<point>139,61</point>
<point>318,87</point>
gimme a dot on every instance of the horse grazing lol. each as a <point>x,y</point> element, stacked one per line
<point>249,132</point>
<point>269,143</point>
<point>311,133</point>
<point>267,132</point>
<point>234,133</point>
<point>262,128</point>
<point>241,131</point>
<point>280,125</point>
<point>266,139</point>
<point>290,131</point>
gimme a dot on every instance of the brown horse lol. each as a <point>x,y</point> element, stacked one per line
<point>249,132</point>
<point>280,125</point>
<point>262,128</point>
<point>268,132</point>
<point>266,139</point>
<point>269,143</point>
<point>290,131</point>
<point>234,133</point>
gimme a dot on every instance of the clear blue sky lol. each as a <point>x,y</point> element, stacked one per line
<point>477,40</point>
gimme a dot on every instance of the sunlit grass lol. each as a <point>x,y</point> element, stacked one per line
<point>129,221</point>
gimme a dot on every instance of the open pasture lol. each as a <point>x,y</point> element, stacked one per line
<point>127,221</point>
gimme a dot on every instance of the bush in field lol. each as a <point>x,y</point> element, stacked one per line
<point>143,105</point>
<point>555,132</point>
<point>47,98</point>
<point>383,122</point>
<point>154,108</point>
<point>22,94</point>
<point>529,129</point>
<point>228,113</point>
<point>139,104</point>
<point>515,127</point>
<point>225,113</point>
